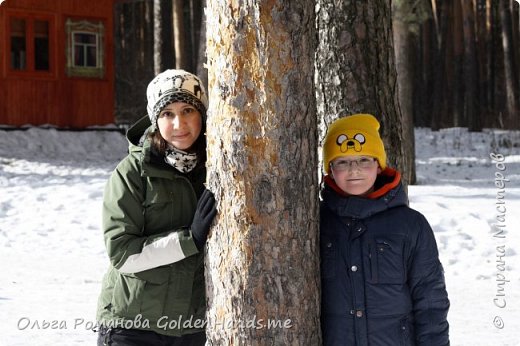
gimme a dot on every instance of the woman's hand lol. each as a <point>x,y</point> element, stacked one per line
<point>203,217</point>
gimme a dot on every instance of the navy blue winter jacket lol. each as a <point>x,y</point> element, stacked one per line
<point>382,281</point>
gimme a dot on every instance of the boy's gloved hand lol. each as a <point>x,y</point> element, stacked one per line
<point>203,217</point>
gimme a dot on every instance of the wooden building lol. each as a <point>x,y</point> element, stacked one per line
<point>56,63</point>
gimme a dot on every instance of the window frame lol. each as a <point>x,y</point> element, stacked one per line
<point>30,62</point>
<point>93,26</point>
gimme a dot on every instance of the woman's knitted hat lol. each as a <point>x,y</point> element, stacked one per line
<point>357,134</point>
<point>175,86</point>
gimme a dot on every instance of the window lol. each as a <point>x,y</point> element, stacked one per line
<point>85,52</point>
<point>18,44</point>
<point>41,45</point>
<point>29,43</point>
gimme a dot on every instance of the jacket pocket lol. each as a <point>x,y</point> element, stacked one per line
<point>167,207</point>
<point>387,261</point>
<point>328,258</point>
<point>127,295</point>
<point>157,275</point>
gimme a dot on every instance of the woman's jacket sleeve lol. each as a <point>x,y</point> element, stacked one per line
<point>129,250</point>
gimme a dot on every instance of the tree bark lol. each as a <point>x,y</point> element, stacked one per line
<point>356,71</point>
<point>444,57</point>
<point>401,13</point>
<point>202,71</point>
<point>162,42</point>
<point>262,260</point>
<point>510,65</point>
<point>157,37</point>
<point>472,109</point>
<point>456,116</point>
<point>425,47</point>
<point>483,62</point>
<point>134,60</point>
<point>197,35</point>
<point>515,20</point>
<point>499,93</point>
<point>179,36</point>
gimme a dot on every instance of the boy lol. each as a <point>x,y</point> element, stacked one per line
<point>382,281</point>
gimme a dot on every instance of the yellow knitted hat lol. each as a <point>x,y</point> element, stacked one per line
<point>357,134</point>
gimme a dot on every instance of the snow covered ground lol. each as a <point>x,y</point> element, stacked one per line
<point>52,256</point>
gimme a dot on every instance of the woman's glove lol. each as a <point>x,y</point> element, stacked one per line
<point>203,217</point>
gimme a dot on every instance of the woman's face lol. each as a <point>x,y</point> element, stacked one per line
<point>180,124</point>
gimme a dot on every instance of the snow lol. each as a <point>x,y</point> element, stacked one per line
<point>53,256</point>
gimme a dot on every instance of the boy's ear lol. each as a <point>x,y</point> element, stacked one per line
<point>379,170</point>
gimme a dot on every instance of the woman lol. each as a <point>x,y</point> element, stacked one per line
<point>156,217</point>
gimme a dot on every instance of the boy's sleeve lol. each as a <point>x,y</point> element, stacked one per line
<point>428,289</point>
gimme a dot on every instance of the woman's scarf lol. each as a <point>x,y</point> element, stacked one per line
<point>180,160</point>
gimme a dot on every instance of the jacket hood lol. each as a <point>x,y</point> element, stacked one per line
<point>140,146</point>
<point>389,193</point>
<point>137,130</point>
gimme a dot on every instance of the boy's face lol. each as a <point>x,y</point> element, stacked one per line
<point>355,174</point>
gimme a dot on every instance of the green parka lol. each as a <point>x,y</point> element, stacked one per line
<point>155,280</point>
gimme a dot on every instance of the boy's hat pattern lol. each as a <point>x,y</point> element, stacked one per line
<point>357,134</point>
<point>175,86</point>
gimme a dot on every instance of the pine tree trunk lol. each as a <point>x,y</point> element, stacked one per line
<point>511,83</point>
<point>498,73</point>
<point>443,86</point>
<point>515,19</point>
<point>157,37</point>
<point>162,42</point>
<point>472,111</point>
<point>262,260</point>
<point>401,10</point>
<point>456,76</point>
<point>198,35</point>
<point>134,60</point>
<point>483,59</point>
<point>355,68</point>
<point>425,46</point>
<point>202,72</point>
<point>179,35</point>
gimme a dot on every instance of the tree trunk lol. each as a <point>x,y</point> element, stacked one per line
<point>401,10</point>
<point>179,36</point>
<point>162,43</point>
<point>262,260</point>
<point>511,83</point>
<point>202,71</point>
<point>515,19</point>
<point>443,86</point>
<point>197,35</point>
<point>157,37</point>
<point>134,60</point>
<point>472,111</point>
<point>356,71</point>
<point>456,116</point>
<point>499,96</point>
<point>483,58</point>
<point>425,47</point>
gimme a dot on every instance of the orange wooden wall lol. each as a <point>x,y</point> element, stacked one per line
<point>53,97</point>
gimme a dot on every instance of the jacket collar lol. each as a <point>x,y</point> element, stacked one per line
<point>388,193</point>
